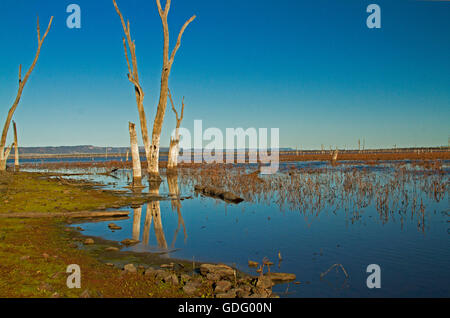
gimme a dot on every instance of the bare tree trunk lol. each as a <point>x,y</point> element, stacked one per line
<point>4,153</point>
<point>172,160</point>
<point>162,104</point>
<point>16,148</point>
<point>174,149</point>
<point>4,157</point>
<point>137,174</point>
<point>133,77</point>
<point>335,155</point>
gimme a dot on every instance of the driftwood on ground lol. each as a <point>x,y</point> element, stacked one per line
<point>82,214</point>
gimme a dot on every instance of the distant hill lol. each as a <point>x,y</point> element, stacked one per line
<point>86,149</point>
<point>75,150</point>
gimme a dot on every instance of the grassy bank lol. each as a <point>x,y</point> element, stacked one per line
<point>35,192</point>
<point>35,253</point>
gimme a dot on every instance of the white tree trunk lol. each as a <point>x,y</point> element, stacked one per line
<point>16,148</point>
<point>153,165</point>
<point>153,168</point>
<point>133,77</point>
<point>152,150</point>
<point>2,161</point>
<point>173,154</point>
<point>335,155</point>
<point>174,148</point>
<point>137,173</point>
<point>4,154</point>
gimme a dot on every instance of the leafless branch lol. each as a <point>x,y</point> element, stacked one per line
<point>21,87</point>
<point>133,77</point>
<point>180,35</point>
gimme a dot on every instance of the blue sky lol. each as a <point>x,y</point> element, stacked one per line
<point>311,68</point>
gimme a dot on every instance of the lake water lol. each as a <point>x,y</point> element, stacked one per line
<point>314,215</point>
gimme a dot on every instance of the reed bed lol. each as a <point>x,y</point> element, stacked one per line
<point>396,191</point>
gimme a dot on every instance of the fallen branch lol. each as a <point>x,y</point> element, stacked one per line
<point>83,214</point>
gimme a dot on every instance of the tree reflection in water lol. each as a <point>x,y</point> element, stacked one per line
<point>174,192</point>
<point>153,215</point>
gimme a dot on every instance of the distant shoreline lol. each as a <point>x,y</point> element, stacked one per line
<point>286,156</point>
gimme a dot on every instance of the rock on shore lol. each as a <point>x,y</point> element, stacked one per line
<point>221,280</point>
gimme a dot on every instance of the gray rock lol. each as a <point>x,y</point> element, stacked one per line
<point>222,271</point>
<point>229,294</point>
<point>162,274</point>
<point>222,286</point>
<point>114,227</point>
<point>88,241</point>
<point>264,282</point>
<point>129,242</point>
<point>172,279</point>
<point>185,278</point>
<point>242,293</point>
<point>260,293</point>
<point>213,277</point>
<point>111,249</point>
<point>151,272</point>
<point>191,287</point>
<point>130,268</point>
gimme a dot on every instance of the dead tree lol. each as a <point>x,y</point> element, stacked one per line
<point>16,148</point>
<point>133,77</point>
<point>4,153</point>
<point>334,155</point>
<point>137,174</point>
<point>174,149</point>
<point>162,104</point>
